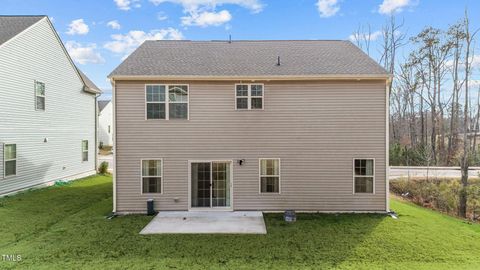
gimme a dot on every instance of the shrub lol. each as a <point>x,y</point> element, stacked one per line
<point>103,169</point>
<point>439,194</point>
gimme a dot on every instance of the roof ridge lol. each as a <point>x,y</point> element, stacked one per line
<point>23,15</point>
<point>248,40</point>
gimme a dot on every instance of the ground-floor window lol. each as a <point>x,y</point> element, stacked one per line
<point>152,175</point>
<point>10,159</point>
<point>364,175</point>
<point>269,175</point>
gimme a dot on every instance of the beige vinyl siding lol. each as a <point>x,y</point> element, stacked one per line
<point>316,128</point>
<point>68,118</point>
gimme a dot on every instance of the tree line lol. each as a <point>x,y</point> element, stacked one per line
<point>434,104</point>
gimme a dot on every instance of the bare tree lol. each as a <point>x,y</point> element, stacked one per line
<point>465,159</point>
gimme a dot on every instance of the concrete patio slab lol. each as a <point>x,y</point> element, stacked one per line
<point>208,222</point>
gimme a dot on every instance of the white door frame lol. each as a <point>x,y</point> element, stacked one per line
<point>211,208</point>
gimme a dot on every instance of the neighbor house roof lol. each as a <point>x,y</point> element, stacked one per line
<point>11,26</point>
<point>102,104</point>
<point>249,59</point>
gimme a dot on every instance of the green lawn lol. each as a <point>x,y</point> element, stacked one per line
<point>65,228</point>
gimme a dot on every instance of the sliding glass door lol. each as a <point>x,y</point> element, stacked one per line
<point>210,184</point>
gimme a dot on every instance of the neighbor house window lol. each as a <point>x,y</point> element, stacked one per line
<point>39,96</point>
<point>84,150</point>
<point>270,175</point>
<point>364,174</point>
<point>152,176</point>
<point>157,105</point>
<point>10,159</point>
<point>249,96</point>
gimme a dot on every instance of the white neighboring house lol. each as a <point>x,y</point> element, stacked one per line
<point>105,122</point>
<point>47,108</point>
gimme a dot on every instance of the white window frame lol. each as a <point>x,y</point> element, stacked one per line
<point>43,96</point>
<point>83,151</point>
<point>167,101</point>
<point>5,160</point>
<point>249,97</point>
<point>354,175</point>
<point>161,176</point>
<point>260,176</point>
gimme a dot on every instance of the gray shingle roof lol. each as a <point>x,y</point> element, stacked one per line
<point>11,26</point>
<point>102,104</point>
<point>248,58</point>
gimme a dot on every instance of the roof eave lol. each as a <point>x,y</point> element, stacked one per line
<point>92,90</point>
<point>249,78</point>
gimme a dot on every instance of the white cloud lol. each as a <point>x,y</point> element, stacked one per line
<point>114,24</point>
<point>127,4</point>
<point>125,44</point>
<point>84,54</point>
<point>195,5</point>
<point>206,18</point>
<point>203,12</point>
<point>161,16</point>
<point>476,61</point>
<point>388,7</point>
<point>78,27</point>
<point>365,36</point>
<point>328,8</point>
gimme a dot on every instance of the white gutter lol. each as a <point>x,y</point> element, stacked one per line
<point>254,78</point>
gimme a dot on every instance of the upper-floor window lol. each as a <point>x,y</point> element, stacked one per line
<point>364,175</point>
<point>158,106</point>
<point>249,96</point>
<point>39,96</point>
<point>10,159</point>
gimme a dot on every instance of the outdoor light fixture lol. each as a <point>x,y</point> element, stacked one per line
<point>241,161</point>
<point>45,140</point>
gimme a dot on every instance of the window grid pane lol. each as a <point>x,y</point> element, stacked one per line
<point>151,168</point>
<point>242,90</point>
<point>151,184</point>
<point>10,151</point>
<point>242,103</point>
<point>256,90</point>
<point>178,111</point>
<point>270,184</point>
<point>155,110</point>
<point>10,167</point>
<point>257,103</point>
<point>178,93</point>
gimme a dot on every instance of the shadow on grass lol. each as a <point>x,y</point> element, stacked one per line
<point>33,211</point>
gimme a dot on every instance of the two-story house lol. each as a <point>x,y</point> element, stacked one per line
<point>47,108</point>
<point>250,125</point>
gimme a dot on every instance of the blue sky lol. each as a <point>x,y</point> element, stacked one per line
<point>100,33</point>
